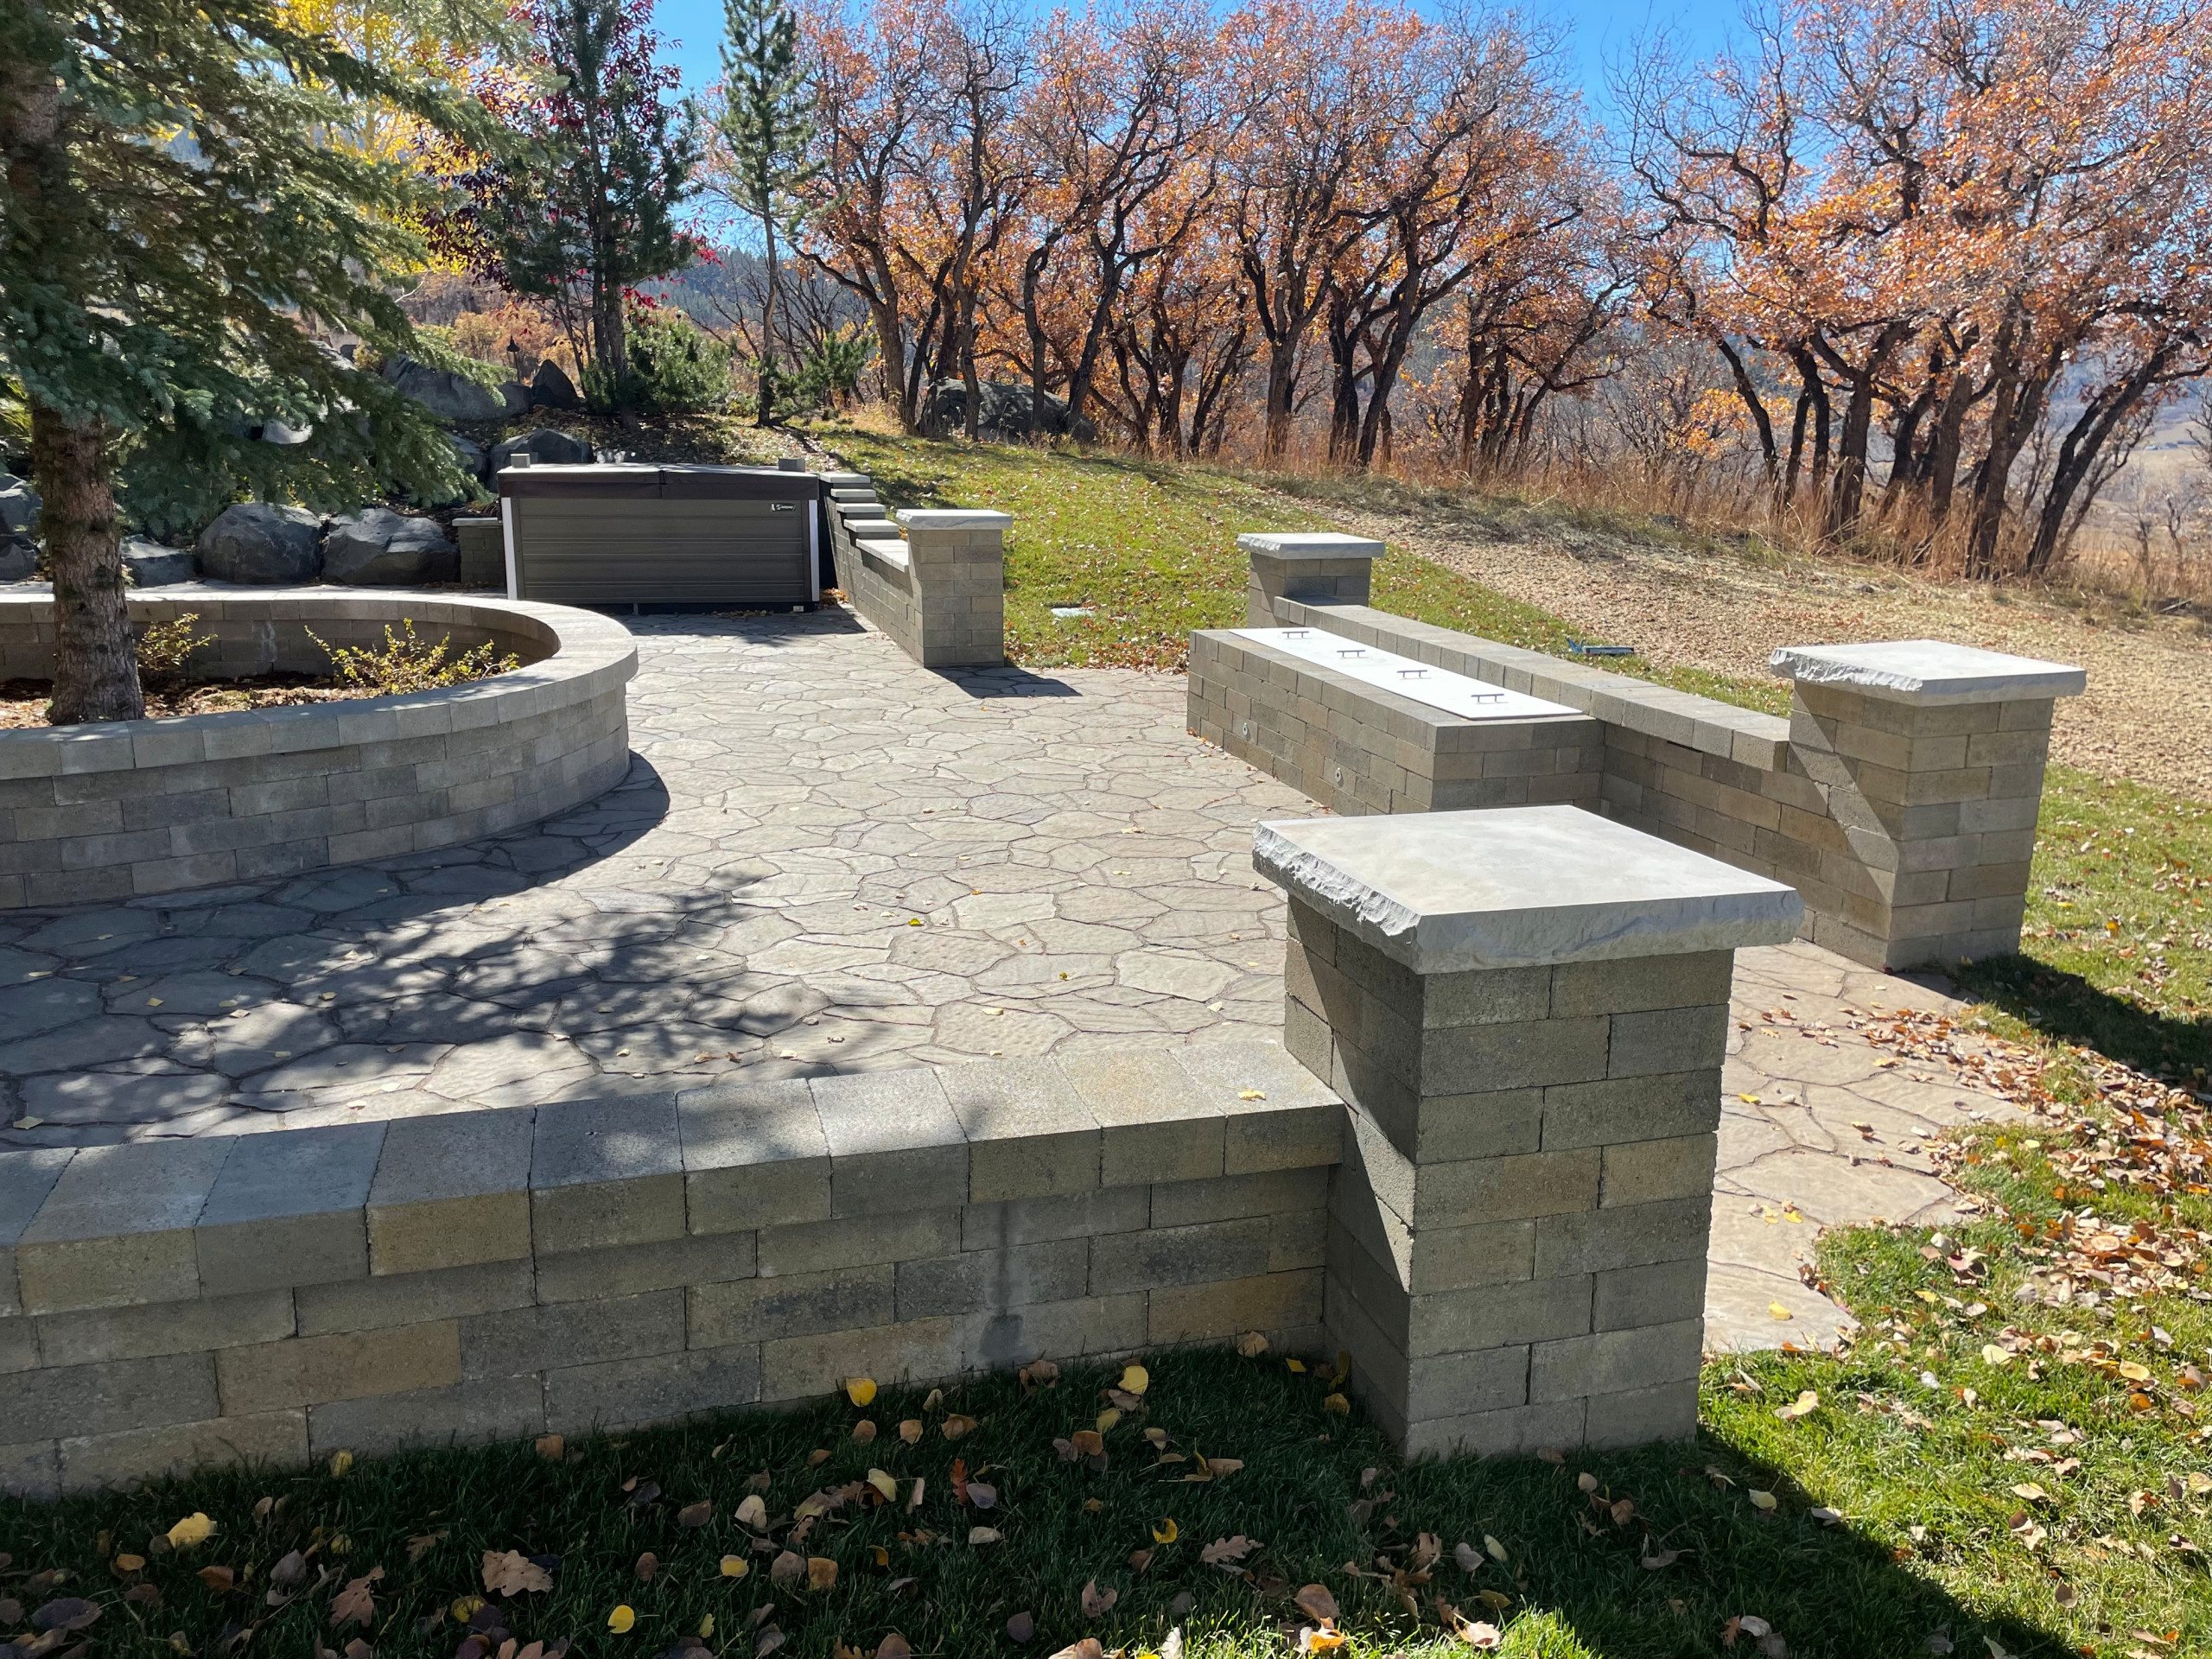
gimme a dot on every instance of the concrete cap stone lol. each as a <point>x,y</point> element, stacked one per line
<point>1518,887</point>
<point>1928,671</point>
<point>953,518</point>
<point>1309,545</point>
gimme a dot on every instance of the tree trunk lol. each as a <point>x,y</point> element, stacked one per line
<point>95,671</point>
<point>767,411</point>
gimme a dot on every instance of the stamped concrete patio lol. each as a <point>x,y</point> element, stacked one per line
<point>827,859</point>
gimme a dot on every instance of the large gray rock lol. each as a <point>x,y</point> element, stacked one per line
<point>474,460</point>
<point>258,542</point>
<point>19,506</point>
<point>1002,413</point>
<point>516,397</point>
<point>18,558</point>
<point>553,389</point>
<point>379,547</point>
<point>150,564</point>
<point>447,393</point>
<point>546,447</point>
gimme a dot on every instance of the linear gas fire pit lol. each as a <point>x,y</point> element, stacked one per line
<point>626,536</point>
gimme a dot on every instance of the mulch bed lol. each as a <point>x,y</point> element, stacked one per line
<point>23,702</point>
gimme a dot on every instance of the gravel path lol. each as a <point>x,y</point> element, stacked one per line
<point>2147,715</point>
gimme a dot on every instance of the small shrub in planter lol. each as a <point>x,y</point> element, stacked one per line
<point>406,662</point>
<point>163,649</point>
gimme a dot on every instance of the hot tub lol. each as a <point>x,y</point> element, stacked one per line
<point>634,536</point>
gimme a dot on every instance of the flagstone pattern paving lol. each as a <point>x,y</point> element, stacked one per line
<point>826,859</point>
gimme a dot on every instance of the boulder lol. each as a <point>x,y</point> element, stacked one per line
<point>474,460</point>
<point>379,548</point>
<point>19,506</point>
<point>447,393</point>
<point>552,389</point>
<point>258,542</point>
<point>150,564</point>
<point>1002,413</point>
<point>546,447</point>
<point>515,395</point>
<point>18,558</point>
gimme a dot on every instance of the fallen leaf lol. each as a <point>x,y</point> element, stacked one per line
<point>1336,1403</point>
<point>1087,1648</point>
<point>861,1390</point>
<point>1315,1601</point>
<point>914,1498</point>
<point>1496,1550</point>
<point>894,1646</point>
<point>788,1567</point>
<point>511,1572</point>
<point>1776,1310</point>
<point>1654,1558</point>
<point>356,1603</point>
<point>695,1515</point>
<point>195,1529</point>
<point>341,1464</point>
<point>735,1566</point>
<point>1165,1533</point>
<point>621,1619</point>
<point>984,1535</point>
<point>69,1613</point>
<point>1097,1603</point>
<point>1827,1517</point>
<point>1088,1442</point>
<point>1763,1502</point>
<point>1804,1405</point>
<point>1252,1344</point>
<point>752,1514</point>
<point>1020,1627</point>
<point>1135,1379</point>
<point>1224,1553</point>
<point>217,1578</point>
<point>885,1485</point>
<point>958,1427</point>
<point>646,1568</point>
<point>982,1496</point>
<point>821,1573</point>
<point>1038,1374</point>
<point>911,1431</point>
<point>422,1544</point>
<point>552,1447</point>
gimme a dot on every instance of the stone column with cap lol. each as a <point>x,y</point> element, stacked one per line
<point>957,559</point>
<point>1931,757</point>
<point>1324,568</point>
<point>1526,1010</point>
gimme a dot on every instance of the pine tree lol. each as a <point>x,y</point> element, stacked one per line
<point>583,224</point>
<point>169,224</point>
<point>766,124</point>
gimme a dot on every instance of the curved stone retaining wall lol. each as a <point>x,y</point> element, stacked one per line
<point>121,809</point>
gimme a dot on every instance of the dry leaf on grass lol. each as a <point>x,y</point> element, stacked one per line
<point>621,1619</point>
<point>356,1603</point>
<point>1097,1603</point>
<point>735,1566</point>
<point>787,1568</point>
<point>1252,1344</point>
<point>217,1578</point>
<point>1804,1405</point>
<point>894,1646</point>
<point>984,1535</point>
<point>1088,1648</point>
<point>695,1515</point>
<point>511,1572</point>
<point>1315,1601</point>
<point>958,1427</point>
<point>864,1430</point>
<point>1226,1553</point>
<point>752,1514</point>
<point>552,1447</point>
<point>911,1431</point>
<point>821,1573</point>
<point>1021,1627</point>
<point>195,1529</point>
<point>861,1390</point>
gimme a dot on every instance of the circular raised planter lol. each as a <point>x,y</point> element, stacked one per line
<point>128,808</point>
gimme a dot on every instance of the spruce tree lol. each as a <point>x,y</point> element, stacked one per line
<point>170,225</point>
<point>766,122</point>
<point>586,221</point>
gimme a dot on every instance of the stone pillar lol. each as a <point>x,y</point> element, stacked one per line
<point>1931,757</point>
<point>1525,1010</point>
<point>957,560</point>
<point>1324,568</point>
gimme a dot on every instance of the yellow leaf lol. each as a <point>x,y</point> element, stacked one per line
<point>1108,1417</point>
<point>195,1529</point>
<point>1496,1550</point>
<point>1164,1532</point>
<point>1252,1344</point>
<point>1339,1404</point>
<point>1763,1502</point>
<point>464,1608</point>
<point>340,1462</point>
<point>2133,1372</point>
<point>735,1566</point>
<point>706,1627</point>
<point>1804,1405</point>
<point>1250,1093</point>
<point>621,1619</point>
<point>883,1483</point>
<point>1135,1379</point>
<point>860,1389</point>
<point>1993,1354</point>
<point>1777,1311</point>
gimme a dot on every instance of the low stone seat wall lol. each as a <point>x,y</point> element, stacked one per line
<point>1899,797</point>
<point>124,809</point>
<point>1357,747</point>
<point>604,1263</point>
<point>935,582</point>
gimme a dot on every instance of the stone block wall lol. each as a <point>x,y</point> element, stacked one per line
<point>122,810</point>
<point>1356,748</point>
<point>612,1263</point>
<point>1907,826</point>
<point>938,589</point>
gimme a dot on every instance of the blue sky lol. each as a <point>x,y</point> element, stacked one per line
<point>1599,31</point>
